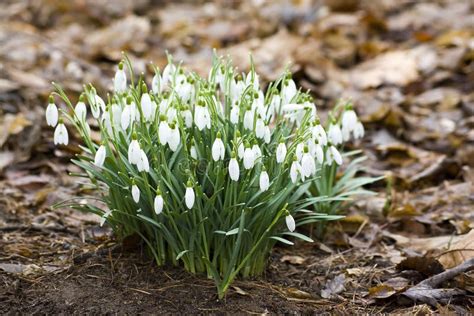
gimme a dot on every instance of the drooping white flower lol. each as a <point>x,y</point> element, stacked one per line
<point>335,134</point>
<point>116,112</point>
<point>168,74</point>
<point>164,131</point>
<point>234,115</point>
<point>290,223</point>
<point>143,164</point>
<point>127,116</point>
<point>156,83</point>
<point>252,79</point>
<point>349,119</point>
<point>185,90</point>
<point>264,181</point>
<point>359,130</point>
<point>60,135</point>
<point>158,203</point>
<point>249,158</point>
<point>98,106</point>
<point>257,151</point>
<point>299,151</point>
<point>100,156</point>
<point>218,149</point>
<point>236,89</point>
<point>268,135</point>
<point>248,119</point>
<point>135,193</point>
<point>80,110</point>
<point>120,79</point>
<point>294,169</point>
<point>189,196</point>
<point>52,114</point>
<point>171,114</point>
<point>147,106</point>
<point>288,91</point>
<point>241,150</point>
<point>202,118</point>
<point>260,128</point>
<point>234,169</point>
<point>134,152</point>
<point>308,165</point>
<point>281,152</point>
<point>275,103</point>
<point>187,117</point>
<point>332,154</point>
<point>319,134</point>
<point>319,153</point>
<point>174,138</point>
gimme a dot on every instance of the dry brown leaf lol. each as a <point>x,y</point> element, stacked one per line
<point>293,259</point>
<point>459,251</point>
<point>334,286</point>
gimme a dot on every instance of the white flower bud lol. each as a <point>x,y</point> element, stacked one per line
<point>249,158</point>
<point>135,193</point>
<point>143,164</point>
<point>248,119</point>
<point>52,115</point>
<point>174,138</point>
<point>234,169</point>
<point>156,84</point>
<point>234,115</point>
<point>158,204</point>
<point>335,134</point>
<point>294,169</point>
<point>146,106</point>
<point>81,111</point>
<point>290,223</point>
<point>260,128</point>
<point>281,152</point>
<point>189,197</point>
<point>264,181</point>
<point>134,151</point>
<point>164,132</point>
<point>120,81</point>
<point>100,156</point>
<point>307,165</point>
<point>218,149</point>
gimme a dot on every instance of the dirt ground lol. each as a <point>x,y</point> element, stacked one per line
<point>407,65</point>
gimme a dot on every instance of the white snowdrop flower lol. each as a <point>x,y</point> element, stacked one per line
<point>174,138</point>
<point>308,165</point>
<point>319,153</point>
<point>319,134</point>
<point>275,104</point>
<point>185,91</point>
<point>234,169</point>
<point>260,128</point>
<point>60,135</point>
<point>290,223</point>
<point>234,115</point>
<point>281,152</point>
<point>359,130</point>
<point>99,106</point>
<point>268,135</point>
<point>147,106</point>
<point>299,151</point>
<point>100,156</point>
<point>52,113</point>
<point>241,150</point>
<point>236,89</point>
<point>80,109</point>
<point>158,203</point>
<point>294,169</point>
<point>164,104</point>
<point>188,118</point>
<point>335,134</point>
<point>143,164</point>
<point>164,131</point>
<point>252,79</point>
<point>120,79</point>
<point>248,119</point>
<point>107,122</point>
<point>249,158</point>
<point>134,152</point>
<point>116,112</point>
<point>171,114</point>
<point>257,151</point>
<point>288,91</point>
<point>189,196</point>
<point>349,119</point>
<point>156,84</point>
<point>193,152</point>
<point>202,118</point>
<point>264,181</point>
<point>128,114</point>
<point>135,193</point>
<point>168,74</point>
<point>218,149</point>
<point>332,154</point>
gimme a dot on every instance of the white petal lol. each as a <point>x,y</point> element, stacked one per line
<point>135,193</point>
<point>264,181</point>
<point>281,152</point>
<point>52,115</point>
<point>81,111</point>
<point>294,171</point>
<point>234,169</point>
<point>307,164</point>
<point>290,223</point>
<point>158,204</point>
<point>146,106</point>
<point>234,115</point>
<point>125,118</point>
<point>164,132</point>
<point>260,129</point>
<point>60,135</point>
<point>100,156</point>
<point>174,138</point>
<point>156,84</point>
<point>189,197</point>
<point>120,81</point>
<point>336,155</point>
<point>249,158</point>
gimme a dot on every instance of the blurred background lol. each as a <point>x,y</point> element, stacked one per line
<point>407,65</point>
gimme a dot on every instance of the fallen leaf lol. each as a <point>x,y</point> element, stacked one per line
<point>427,266</point>
<point>381,291</point>
<point>334,286</point>
<point>459,251</point>
<point>293,259</point>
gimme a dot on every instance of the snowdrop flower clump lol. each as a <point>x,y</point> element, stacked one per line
<point>210,172</point>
